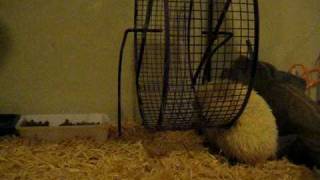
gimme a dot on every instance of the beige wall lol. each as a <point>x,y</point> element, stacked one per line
<point>290,32</point>
<point>63,54</point>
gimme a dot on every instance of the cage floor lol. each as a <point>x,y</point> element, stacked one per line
<point>137,155</point>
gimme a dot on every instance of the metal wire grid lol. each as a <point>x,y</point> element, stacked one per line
<point>180,70</point>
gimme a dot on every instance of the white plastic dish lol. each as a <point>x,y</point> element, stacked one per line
<point>55,132</point>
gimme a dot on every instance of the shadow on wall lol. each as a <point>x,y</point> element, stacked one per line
<point>5,42</point>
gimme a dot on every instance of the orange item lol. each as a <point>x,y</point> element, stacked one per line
<point>306,74</point>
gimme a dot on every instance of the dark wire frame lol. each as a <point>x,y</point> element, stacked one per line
<point>180,45</point>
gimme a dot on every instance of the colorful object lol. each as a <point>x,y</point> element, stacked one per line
<point>306,74</point>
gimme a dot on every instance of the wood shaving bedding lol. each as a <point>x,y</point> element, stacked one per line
<point>139,154</point>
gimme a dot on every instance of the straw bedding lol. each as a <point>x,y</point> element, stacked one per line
<point>137,155</point>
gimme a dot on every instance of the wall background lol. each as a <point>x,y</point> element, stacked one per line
<point>290,32</point>
<point>61,56</point>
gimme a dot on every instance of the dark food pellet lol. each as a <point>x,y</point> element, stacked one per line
<point>68,123</point>
<point>32,123</point>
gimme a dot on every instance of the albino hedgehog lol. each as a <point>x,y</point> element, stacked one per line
<point>254,136</point>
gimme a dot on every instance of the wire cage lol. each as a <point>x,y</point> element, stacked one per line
<point>183,50</point>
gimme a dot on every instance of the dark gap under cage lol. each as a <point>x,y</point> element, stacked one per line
<point>184,51</point>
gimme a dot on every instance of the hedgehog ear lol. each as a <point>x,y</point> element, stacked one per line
<point>242,62</point>
<point>243,58</point>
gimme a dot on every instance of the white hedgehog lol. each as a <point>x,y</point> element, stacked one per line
<point>253,138</point>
